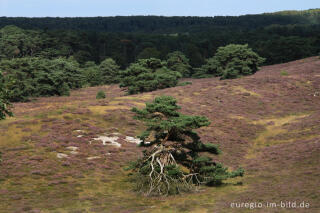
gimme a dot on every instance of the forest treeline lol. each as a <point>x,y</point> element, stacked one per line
<point>162,24</point>
<point>278,37</point>
<point>50,56</point>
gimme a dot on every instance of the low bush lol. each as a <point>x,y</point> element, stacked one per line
<point>35,77</point>
<point>101,95</point>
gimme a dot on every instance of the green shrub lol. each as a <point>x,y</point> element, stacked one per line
<point>34,77</point>
<point>92,74</point>
<point>4,102</point>
<point>110,71</point>
<point>231,61</point>
<point>101,95</point>
<point>173,163</point>
<point>284,73</point>
<point>63,90</point>
<point>147,75</point>
<point>177,61</point>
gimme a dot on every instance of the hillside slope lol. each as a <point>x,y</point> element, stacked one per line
<point>268,123</point>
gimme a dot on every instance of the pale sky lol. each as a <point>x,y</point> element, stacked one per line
<point>72,8</point>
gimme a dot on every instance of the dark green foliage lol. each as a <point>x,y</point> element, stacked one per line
<point>4,102</point>
<point>63,90</point>
<point>15,42</point>
<point>210,69</point>
<point>232,61</point>
<point>107,72</point>
<point>148,75</point>
<point>173,163</point>
<point>149,52</point>
<point>110,71</point>
<point>92,74</point>
<point>100,95</point>
<point>34,77</point>
<point>279,37</point>
<point>169,25</point>
<point>177,61</point>
<point>287,48</point>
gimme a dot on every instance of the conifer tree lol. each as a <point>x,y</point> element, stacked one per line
<point>231,61</point>
<point>172,162</point>
<point>110,71</point>
<point>148,75</point>
<point>177,61</point>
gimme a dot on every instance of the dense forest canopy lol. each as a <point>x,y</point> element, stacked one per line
<point>161,24</point>
<point>50,56</point>
<point>278,37</point>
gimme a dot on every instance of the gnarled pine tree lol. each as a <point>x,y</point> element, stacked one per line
<point>172,163</point>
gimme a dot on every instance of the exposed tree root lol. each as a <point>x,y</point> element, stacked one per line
<point>172,162</point>
<point>164,175</point>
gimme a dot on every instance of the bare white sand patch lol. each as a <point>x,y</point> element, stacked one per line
<point>93,158</point>
<point>133,140</point>
<point>116,133</point>
<point>61,155</point>
<point>108,140</point>
<point>74,152</point>
<point>79,131</point>
<point>72,148</point>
